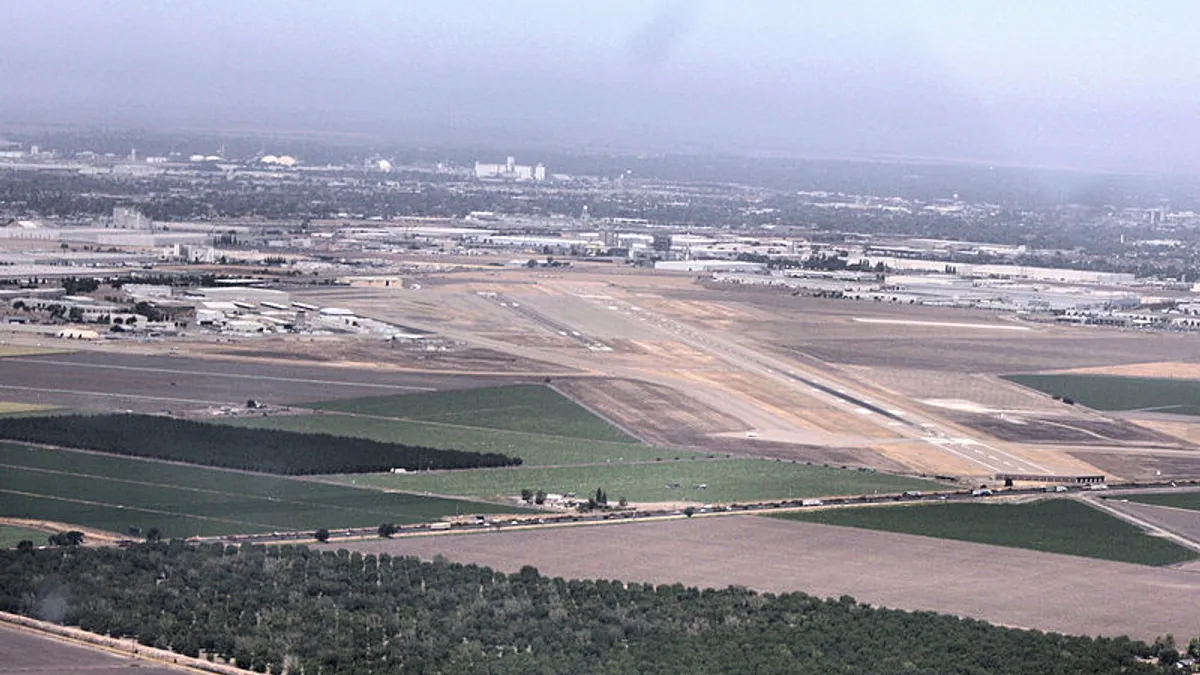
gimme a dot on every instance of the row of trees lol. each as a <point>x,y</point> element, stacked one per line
<point>266,450</point>
<point>598,501</point>
<point>259,607</point>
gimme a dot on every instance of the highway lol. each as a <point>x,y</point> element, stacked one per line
<point>559,519</point>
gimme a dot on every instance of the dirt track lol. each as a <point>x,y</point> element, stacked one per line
<point>1001,585</point>
<point>33,654</point>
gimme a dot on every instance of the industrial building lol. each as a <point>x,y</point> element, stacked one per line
<point>710,266</point>
<point>510,170</point>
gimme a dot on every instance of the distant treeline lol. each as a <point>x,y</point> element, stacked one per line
<point>290,609</point>
<point>266,450</point>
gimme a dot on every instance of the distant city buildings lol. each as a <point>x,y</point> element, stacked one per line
<point>125,218</point>
<point>510,170</point>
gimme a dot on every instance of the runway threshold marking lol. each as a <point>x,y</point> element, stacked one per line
<point>239,376</point>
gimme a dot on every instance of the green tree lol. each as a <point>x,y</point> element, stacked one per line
<point>540,497</point>
<point>526,495</point>
<point>386,530</point>
<point>321,535</point>
<point>68,538</point>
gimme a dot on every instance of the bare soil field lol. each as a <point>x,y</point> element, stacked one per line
<point>1072,431</point>
<point>1144,465</point>
<point>96,380</point>
<point>659,415</point>
<point>29,653</point>
<point>1175,370</point>
<point>1002,585</point>
<point>376,354</point>
<point>826,329</point>
<point>1185,428</point>
<point>1183,522</point>
<point>980,388</point>
<point>984,353</point>
<point>664,416</point>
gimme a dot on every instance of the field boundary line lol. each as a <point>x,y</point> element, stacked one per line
<point>1145,525</point>
<point>452,425</point>
<point>190,488</point>
<point>617,425</point>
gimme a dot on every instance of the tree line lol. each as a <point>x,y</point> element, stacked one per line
<point>230,447</point>
<point>259,607</point>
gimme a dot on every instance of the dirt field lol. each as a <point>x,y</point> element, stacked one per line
<point>1184,428</point>
<point>826,329</point>
<point>1006,586</point>
<point>377,355</point>
<point>31,654</point>
<point>1175,370</point>
<point>660,415</point>
<point>1144,466</point>
<point>982,389</point>
<point>1072,430</point>
<point>110,381</point>
<point>1182,522</point>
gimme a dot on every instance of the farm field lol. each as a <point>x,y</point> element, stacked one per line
<point>266,450</point>
<point>528,408</point>
<point>1053,525</point>
<point>534,449</point>
<point>1113,392</point>
<point>11,535</point>
<point>1009,586</point>
<point>116,493</point>
<point>726,481</point>
<point>1179,500</point>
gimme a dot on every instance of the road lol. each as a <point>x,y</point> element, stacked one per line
<point>559,519</point>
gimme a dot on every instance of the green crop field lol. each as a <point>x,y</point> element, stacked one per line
<point>534,449</point>
<point>529,408</point>
<point>1180,500</point>
<point>727,481</point>
<point>1054,525</point>
<point>116,493</point>
<point>1111,392</point>
<point>11,535</point>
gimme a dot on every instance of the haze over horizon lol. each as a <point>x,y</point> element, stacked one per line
<point>1105,85</point>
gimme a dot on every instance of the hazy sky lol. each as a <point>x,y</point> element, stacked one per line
<point>1086,83</point>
